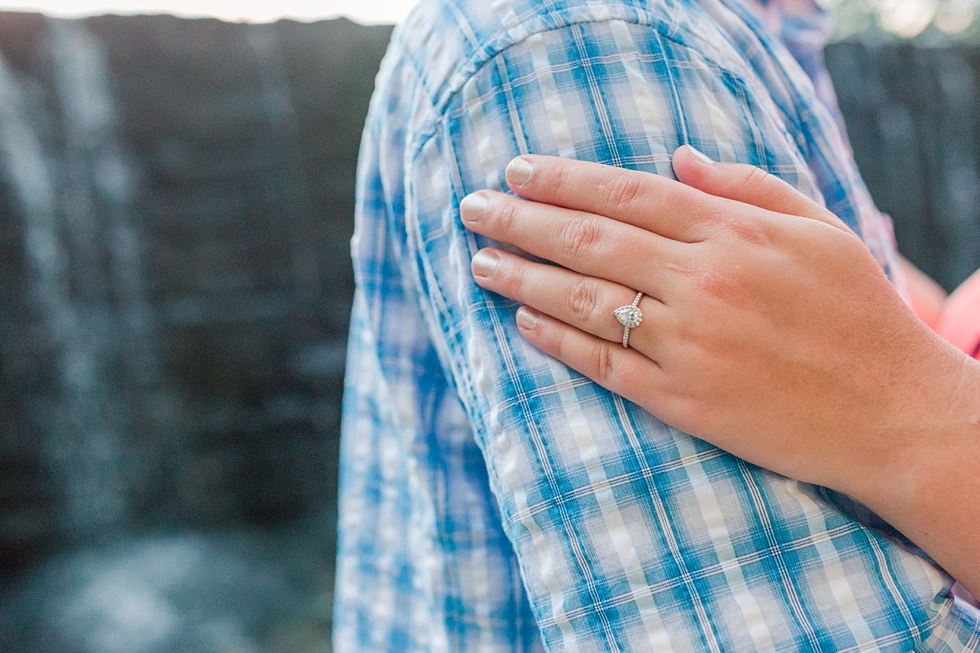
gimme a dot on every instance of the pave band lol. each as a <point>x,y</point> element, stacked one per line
<point>630,317</point>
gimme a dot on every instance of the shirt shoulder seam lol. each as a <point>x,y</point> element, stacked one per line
<point>504,39</point>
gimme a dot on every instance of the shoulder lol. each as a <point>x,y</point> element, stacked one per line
<point>444,43</point>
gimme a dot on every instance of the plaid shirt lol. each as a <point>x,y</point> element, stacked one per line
<point>494,500</point>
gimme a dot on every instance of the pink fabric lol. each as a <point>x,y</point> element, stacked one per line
<point>960,320</point>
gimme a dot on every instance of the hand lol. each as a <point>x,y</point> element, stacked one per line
<point>771,332</point>
<point>768,330</point>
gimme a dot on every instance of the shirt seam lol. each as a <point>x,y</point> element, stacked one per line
<point>463,75</point>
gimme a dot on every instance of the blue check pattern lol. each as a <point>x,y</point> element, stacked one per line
<point>494,500</point>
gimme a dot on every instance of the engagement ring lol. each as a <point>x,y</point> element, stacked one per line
<point>630,317</point>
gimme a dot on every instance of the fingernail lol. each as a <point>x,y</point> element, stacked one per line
<point>527,318</point>
<point>519,172</point>
<point>484,264</point>
<point>700,156</point>
<point>473,206</point>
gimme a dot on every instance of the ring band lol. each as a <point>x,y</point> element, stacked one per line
<point>630,317</point>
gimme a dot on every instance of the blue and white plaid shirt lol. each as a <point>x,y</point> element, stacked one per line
<point>494,500</point>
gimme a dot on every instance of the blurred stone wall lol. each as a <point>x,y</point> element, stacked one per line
<point>176,201</point>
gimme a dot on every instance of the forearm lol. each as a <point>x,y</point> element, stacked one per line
<point>934,499</point>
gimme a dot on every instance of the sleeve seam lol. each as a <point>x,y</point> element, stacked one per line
<point>499,43</point>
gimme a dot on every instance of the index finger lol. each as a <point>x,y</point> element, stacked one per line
<point>658,204</point>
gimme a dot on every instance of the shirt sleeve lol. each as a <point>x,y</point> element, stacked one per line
<point>630,535</point>
<point>423,563</point>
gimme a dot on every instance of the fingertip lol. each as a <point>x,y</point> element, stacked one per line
<point>545,333</point>
<point>697,155</point>
<point>473,207</point>
<point>519,172</point>
<point>484,264</point>
<point>690,163</point>
<point>531,174</point>
<point>527,318</point>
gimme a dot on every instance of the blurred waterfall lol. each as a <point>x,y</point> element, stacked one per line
<point>85,273</point>
<point>175,211</point>
<point>176,202</point>
<point>79,428</point>
<point>99,198</point>
<point>107,276</point>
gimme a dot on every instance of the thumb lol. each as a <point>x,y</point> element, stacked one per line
<point>747,184</point>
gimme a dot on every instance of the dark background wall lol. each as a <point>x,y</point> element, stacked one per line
<point>176,200</point>
<point>175,209</point>
<point>912,116</point>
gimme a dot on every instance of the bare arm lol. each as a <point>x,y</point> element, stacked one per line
<point>768,330</point>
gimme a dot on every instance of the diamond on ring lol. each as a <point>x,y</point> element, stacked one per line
<point>630,317</point>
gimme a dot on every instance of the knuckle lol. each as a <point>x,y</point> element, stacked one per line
<point>622,190</point>
<point>514,279</point>
<point>560,344</point>
<point>726,286</point>
<point>749,230</point>
<point>579,236</point>
<point>602,363</point>
<point>583,299</point>
<point>506,213</point>
<point>684,331</point>
<point>561,177</point>
<point>758,182</point>
<point>763,189</point>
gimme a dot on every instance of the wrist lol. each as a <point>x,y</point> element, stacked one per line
<point>928,480</point>
<point>928,414</point>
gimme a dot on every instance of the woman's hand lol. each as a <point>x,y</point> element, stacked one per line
<point>768,328</point>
